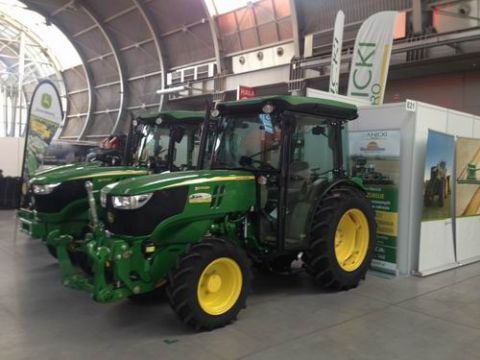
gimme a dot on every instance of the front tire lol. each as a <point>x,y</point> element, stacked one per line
<point>342,239</point>
<point>210,284</point>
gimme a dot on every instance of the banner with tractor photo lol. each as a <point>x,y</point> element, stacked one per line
<point>468,177</point>
<point>44,118</point>
<point>439,167</point>
<point>467,200</point>
<point>375,158</point>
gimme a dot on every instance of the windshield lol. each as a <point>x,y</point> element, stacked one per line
<point>152,143</point>
<point>248,141</point>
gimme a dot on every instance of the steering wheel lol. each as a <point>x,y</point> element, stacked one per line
<point>296,177</point>
<point>263,165</point>
<point>156,164</point>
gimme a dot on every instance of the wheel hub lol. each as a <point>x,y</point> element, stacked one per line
<point>351,240</point>
<point>214,283</point>
<point>219,286</point>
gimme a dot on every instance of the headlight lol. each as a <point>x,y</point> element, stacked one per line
<point>103,198</point>
<point>130,202</point>
<point>44,189</point>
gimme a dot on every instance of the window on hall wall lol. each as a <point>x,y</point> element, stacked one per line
<point>219,7</point>
<point>245,25</point>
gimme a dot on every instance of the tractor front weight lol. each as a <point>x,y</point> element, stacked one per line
<point>117,271</point>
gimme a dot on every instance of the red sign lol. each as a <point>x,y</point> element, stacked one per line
<point>245,92</point>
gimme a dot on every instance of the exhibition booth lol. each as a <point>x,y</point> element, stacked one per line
<point>420,165</point>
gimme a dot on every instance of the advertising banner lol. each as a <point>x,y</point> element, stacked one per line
<point>467,200</point>
<point>44,118</point>
<point>468,177</point>
<point>439,167</point>
<point>336,53</point>
<point>371,57</point>
<point>375,158</point>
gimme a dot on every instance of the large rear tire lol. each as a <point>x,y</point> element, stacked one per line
<point>52,251</point>
<point>342,239</point>
<point>210,284</point>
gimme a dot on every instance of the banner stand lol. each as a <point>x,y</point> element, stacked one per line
<point>45,115</point>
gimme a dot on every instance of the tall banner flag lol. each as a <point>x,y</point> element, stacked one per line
<point>44,117</point>
<point>371,57</point>
<point>336,53</point>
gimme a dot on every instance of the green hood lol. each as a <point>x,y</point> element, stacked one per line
<point>84,171</point>
<point>59,168</point>
<point>152,183</point>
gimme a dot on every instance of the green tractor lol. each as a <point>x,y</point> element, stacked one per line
<point>437,187</point>
<point>276,191</point>
<point>367,173</point>
<point>166,141</point>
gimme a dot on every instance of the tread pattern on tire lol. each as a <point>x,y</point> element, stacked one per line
<point>319,260</point>
<point>182,283</point>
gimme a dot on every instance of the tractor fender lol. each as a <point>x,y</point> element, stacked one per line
<point>328,187</point>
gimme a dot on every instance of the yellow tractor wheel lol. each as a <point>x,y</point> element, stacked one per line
<point>342,239</point>
<point>210,284</point>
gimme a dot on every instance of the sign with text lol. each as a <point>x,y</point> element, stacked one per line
<point>245,92</point>
<point>371,57</point>
<point>375,158</point>
<point>336,53</point>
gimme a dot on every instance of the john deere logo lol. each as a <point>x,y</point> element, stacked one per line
<point>46,101</point>
<point>200,198</point>
<point>110,217</point>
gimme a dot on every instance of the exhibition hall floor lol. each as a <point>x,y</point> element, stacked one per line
<point>287,318</point>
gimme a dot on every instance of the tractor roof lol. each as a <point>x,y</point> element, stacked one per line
<point>307,105</point>
<point>178,115</point>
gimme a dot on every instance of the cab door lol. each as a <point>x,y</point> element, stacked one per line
<point>310,164</point>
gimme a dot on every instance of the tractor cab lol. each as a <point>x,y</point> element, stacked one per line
<point>158,142</point>
<point>294,148</point>
<point>166,141</point>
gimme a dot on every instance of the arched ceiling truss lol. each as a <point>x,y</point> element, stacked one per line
<point>125,63</point>
<point>130,48</point>
<point>24,60</point>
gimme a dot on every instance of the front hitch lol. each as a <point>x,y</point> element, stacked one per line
<point>111,267</point>
<point>115,275</point>
<point>70,276</point>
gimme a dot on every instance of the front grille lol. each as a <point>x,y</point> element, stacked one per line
<point>61,196</point>
<point>142,221</point>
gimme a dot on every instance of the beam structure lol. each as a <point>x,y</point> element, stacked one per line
<point>118,62</point>
<point>158,47</point>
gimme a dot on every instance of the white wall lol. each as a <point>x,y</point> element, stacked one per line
<point>11,155</point>
<point>428,247</point>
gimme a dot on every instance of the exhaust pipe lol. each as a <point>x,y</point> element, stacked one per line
<point>92,204</point>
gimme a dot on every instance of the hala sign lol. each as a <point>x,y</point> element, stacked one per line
<point>371,59</point>
<point>245,92</point>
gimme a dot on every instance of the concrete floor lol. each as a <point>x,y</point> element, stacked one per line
<point>287,318</point>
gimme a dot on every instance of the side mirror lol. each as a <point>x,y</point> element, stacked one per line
<point>245,161</point>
